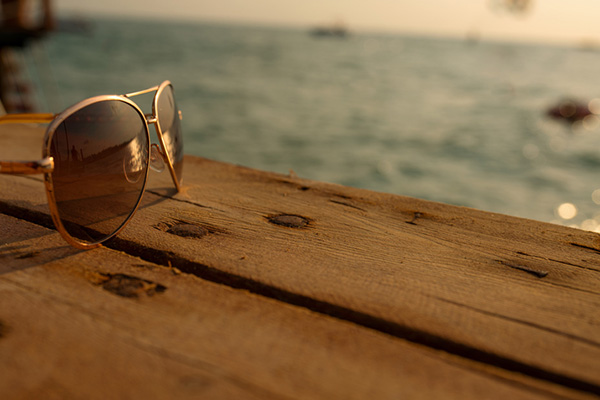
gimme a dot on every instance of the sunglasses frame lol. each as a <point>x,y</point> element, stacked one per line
<point>46,164</point>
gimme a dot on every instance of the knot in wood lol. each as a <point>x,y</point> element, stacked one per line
<point>130,286</point>
<point>291,221</point>
<point>187,230</point>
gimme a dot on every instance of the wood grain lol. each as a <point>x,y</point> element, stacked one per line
<point>513,292</point>
<point>102,324</point>
<point>516,294</point>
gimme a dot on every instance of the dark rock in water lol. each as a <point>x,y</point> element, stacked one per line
<point>569,111</point>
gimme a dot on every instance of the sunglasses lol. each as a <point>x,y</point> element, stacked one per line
<point>95,160</point>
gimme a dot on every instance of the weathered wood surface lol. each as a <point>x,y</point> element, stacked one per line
<point>102,324</point>
<point>504,301</point>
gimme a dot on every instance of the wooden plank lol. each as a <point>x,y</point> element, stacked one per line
<point>450,277</point>
<point>102,324</point>
<point>514,293</point>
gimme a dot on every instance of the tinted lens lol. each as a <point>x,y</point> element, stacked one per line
<point>100,168</point>
<point>170,125</point>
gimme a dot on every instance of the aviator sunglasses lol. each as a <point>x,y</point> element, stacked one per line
<point>95,160</point>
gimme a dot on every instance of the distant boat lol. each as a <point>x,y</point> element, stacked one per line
<point>337,30</point>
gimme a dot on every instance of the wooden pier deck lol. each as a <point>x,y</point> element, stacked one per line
<point>256,285</point>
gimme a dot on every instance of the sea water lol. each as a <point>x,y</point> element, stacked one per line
<point>442,119</point>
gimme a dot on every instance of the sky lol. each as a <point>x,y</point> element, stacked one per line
<point>569,21</point>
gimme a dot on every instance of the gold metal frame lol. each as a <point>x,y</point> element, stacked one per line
<point>153,119</point>
<point>46,164</point>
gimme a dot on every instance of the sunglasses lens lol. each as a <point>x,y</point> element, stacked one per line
<point>100,167</point>
<point>169,120</point>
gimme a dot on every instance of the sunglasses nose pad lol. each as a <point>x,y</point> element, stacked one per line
<point>157,162</point>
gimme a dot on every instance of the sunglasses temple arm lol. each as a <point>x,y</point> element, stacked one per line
<point>170,167</point>
<point>168,162</point>
<point>27,167</point>
<point>26,118</point>
<point>174,176</point>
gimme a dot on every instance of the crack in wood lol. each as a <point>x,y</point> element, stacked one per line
<point>30,254</point>
<point>36,217</point>
<point>570,264</point>
<point>343,203</point>
<point>582,246</point>
<point>295,185</point>
<point>212,371</point>
<point>3,329</point>
<point>360,318</point>
<point>379,324</point>
<point>520,321</point>
<point>531,271</point>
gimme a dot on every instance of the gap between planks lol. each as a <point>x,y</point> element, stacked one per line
<point>365,320</point>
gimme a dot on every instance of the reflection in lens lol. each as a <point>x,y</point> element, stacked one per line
<point>170,125</point>
<point>100,168</point>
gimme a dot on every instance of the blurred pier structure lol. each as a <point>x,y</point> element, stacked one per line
<point>21,24</point>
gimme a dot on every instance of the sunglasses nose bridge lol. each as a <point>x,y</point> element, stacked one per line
<point>151,119</point>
